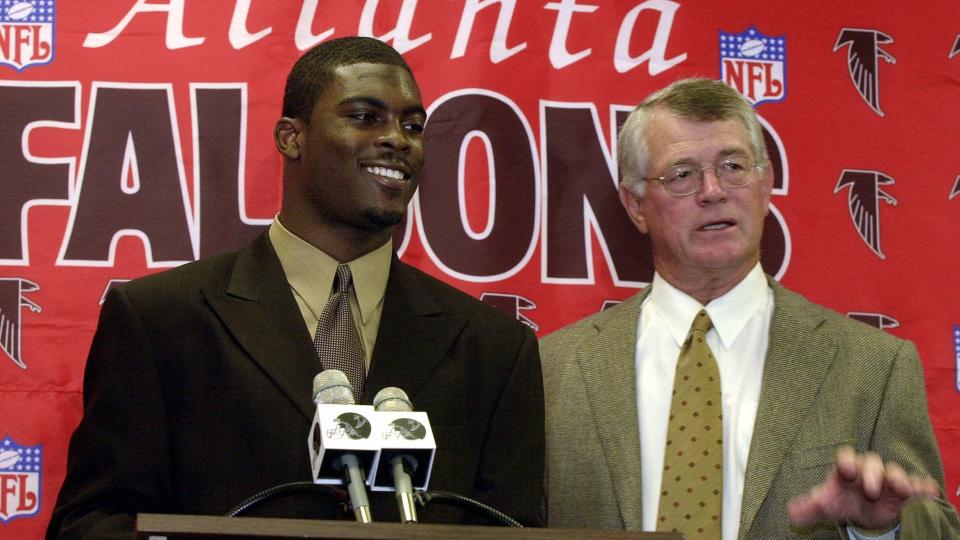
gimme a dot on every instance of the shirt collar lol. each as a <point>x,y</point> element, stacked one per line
<point>729,312</point>
<point>310,271</point>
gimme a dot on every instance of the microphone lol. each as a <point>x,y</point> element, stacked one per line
<point>407,450</point>
<point>339,426</point>
<point>393,399</point>
<point>331,387</point>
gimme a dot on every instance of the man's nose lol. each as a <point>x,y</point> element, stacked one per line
<point>711,187</point>
<point>394,136</point>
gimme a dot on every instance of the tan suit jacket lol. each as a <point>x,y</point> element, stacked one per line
<point>828,381</point>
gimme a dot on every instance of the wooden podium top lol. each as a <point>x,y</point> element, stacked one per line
<point>181,527</point>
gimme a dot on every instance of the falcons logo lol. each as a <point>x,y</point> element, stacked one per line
<point>408,428</point>
<point>863,202</point>
<point>352,425</point>
<point>876,320</point>
<point>862,61</point>
<point>11,302</point>
<point>512,305</point>
<point>607,304</point>
<point>110,285</point>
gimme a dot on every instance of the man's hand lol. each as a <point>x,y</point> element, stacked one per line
<point>862,491</point>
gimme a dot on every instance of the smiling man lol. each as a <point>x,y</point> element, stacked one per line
<point>715,402</point>
<point>197,392</point>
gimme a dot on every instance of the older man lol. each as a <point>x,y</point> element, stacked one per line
<point>715,402</point>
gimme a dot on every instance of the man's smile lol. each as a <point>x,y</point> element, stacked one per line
<point>386,172</point>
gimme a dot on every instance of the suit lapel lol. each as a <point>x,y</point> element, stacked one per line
<point>415,334</point>
<point>798,358</point>
<point>259,311</point>
<point>608,367</point>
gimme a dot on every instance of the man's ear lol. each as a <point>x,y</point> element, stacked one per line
<point>632,204</point>
<point>288,135</point>
<point>766,187</point>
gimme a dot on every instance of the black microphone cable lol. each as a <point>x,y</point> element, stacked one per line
<point>466,503</point>
<point>338,495</point>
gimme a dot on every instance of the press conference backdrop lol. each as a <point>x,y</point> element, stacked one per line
<point>135,136</point>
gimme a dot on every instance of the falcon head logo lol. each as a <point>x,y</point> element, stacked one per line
<point>409,429</point>
<point>876,320</point>
<point>352,426</point>
<point>863,201</point>
<point>110,285</point>
<point>607,304</point>
<point>12,300</point>
<point>864,49</point>
<point>512,305</point>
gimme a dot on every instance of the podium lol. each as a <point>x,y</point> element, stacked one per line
<point>184,527</point>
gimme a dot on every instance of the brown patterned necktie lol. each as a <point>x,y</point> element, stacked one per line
<point>692,487</point>
<point>337,341</point>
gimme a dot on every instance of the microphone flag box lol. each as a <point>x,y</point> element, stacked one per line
<point>338,430</point>
<point>406,435</point>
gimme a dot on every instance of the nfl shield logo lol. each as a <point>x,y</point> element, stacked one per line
<point>754,64</point>
<point>26,32</point>
<point>19,479</point>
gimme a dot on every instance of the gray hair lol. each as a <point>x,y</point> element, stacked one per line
<point>698,99</point>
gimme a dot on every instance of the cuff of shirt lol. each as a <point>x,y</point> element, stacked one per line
<point>860,534</point>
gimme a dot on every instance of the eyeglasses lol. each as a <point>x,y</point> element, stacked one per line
<point>683,180</point>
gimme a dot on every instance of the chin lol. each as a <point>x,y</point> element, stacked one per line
<point>727,263</point>
<point>382,218</point>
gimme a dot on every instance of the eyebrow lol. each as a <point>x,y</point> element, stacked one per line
<point>733,151</point>
<point>724,153</point>
<point>380,104</point>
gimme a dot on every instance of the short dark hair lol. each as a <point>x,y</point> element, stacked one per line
<point>313,72</point>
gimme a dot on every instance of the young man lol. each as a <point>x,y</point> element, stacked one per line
<point>197,392</point>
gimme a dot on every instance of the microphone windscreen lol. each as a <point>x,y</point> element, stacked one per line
<point>331,387</point>
<point>392,399</point>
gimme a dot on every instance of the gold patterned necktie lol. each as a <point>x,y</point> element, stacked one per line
<point>337,341</point>
<point>692,487</point>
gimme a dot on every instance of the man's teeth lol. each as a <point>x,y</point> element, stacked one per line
<point>383,171</point>
<point>714,226</point>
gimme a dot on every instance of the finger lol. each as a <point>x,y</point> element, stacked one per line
<point>846,461</point>
<point>800,511</point>
<point>872,475</point>
<point>924,487</point>
<point>806,509</point>
<point>896,482</point>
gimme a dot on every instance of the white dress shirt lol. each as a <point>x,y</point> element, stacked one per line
<point>738,339</point>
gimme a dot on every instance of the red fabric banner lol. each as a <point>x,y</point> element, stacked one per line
<point>136,136</point>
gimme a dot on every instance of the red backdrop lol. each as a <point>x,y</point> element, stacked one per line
<point>137,135</point>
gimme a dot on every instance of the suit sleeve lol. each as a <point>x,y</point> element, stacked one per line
<point>513,452</point>
<point>903,434</point>
<point>117,464</point>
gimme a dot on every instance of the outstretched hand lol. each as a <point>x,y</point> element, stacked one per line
<point>862,491</point>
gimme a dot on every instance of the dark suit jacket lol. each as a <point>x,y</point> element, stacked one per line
<point>197,395</point>
<point>828,381</point>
